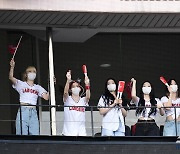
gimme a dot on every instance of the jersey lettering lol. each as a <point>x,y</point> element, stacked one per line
<point>176,105</point>
<point>80,109</point>
<point>27,90</point>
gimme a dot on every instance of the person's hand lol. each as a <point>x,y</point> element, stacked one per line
<point>120,102</point>
<point>159,106</point>
<point>12,63</point>
<point>54,80</point>
<point>115,102</point>
<point>68,75</point>
<point>86,80</point>
<point>133,80</point>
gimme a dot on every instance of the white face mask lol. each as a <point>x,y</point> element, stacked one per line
<point>76,90</point>
<point>174,88</point>
<point>146,90</point>
<point>111,87</point>
<point>31,76</point>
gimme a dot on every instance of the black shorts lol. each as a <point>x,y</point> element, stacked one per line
<point>147,128</point>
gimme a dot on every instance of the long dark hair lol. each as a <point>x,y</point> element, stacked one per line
<point>166,89</point>
<point>108,97</point>
<point>141,102</point>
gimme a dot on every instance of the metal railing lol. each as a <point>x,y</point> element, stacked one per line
<point>92,109</point>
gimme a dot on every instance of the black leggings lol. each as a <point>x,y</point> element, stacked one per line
<point>147,128</point>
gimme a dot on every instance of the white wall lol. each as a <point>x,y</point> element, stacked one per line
<point>131,119</point>
<point>93,5</point>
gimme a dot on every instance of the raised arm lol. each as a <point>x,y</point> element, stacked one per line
<point>11,72</point>
<point>161,110</point>
<point>133,92</point>
<point>66,88</point>
<point>169,102</point>
<point>160,107</point>
<point>87,86</point>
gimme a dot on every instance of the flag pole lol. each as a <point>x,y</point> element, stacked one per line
<point>17,47</point>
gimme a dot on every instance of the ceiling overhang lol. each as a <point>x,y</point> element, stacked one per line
<point>80,26</point>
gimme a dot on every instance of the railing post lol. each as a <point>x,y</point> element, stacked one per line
<point>175,120</point>
<point>20,119</point>
<point>50,119</point>
<point>92,121</point>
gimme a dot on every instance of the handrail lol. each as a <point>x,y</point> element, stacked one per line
<point>46,105</point>
<point>91,111</point>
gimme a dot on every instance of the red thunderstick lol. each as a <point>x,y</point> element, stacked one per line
<point>164,80</point>
<point>120,89</point>
<point>84,68</point>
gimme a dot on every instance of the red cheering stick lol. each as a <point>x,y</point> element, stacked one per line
<point>84,68</point>
<point>164,80</point>
<point>120,89</point>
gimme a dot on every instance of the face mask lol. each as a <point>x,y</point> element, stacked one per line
<point>111,87</point>
<point>76,90</point>
<point>146,90</point>
<point>31,76</point>
<point>174,88</point>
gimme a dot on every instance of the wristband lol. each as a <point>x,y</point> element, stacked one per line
<point>87,87</point>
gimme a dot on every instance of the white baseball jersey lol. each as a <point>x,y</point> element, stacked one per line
<point>175,103</point>
<point>74,117</point>
<point>112,118</point>
<point>28,94</point>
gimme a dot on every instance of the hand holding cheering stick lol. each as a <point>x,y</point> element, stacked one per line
<point>84,68</point>
<point>120,89</point>
<point>164,81</point>
<point>87,83</point>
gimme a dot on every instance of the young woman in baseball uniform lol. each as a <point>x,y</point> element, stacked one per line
<point>147,103</point>
<point>112,110</point>
<point>74,114</point>
<point>169,100</point>
<point>28,92</point>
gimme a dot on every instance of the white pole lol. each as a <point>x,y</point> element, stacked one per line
<point>51,77</point>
